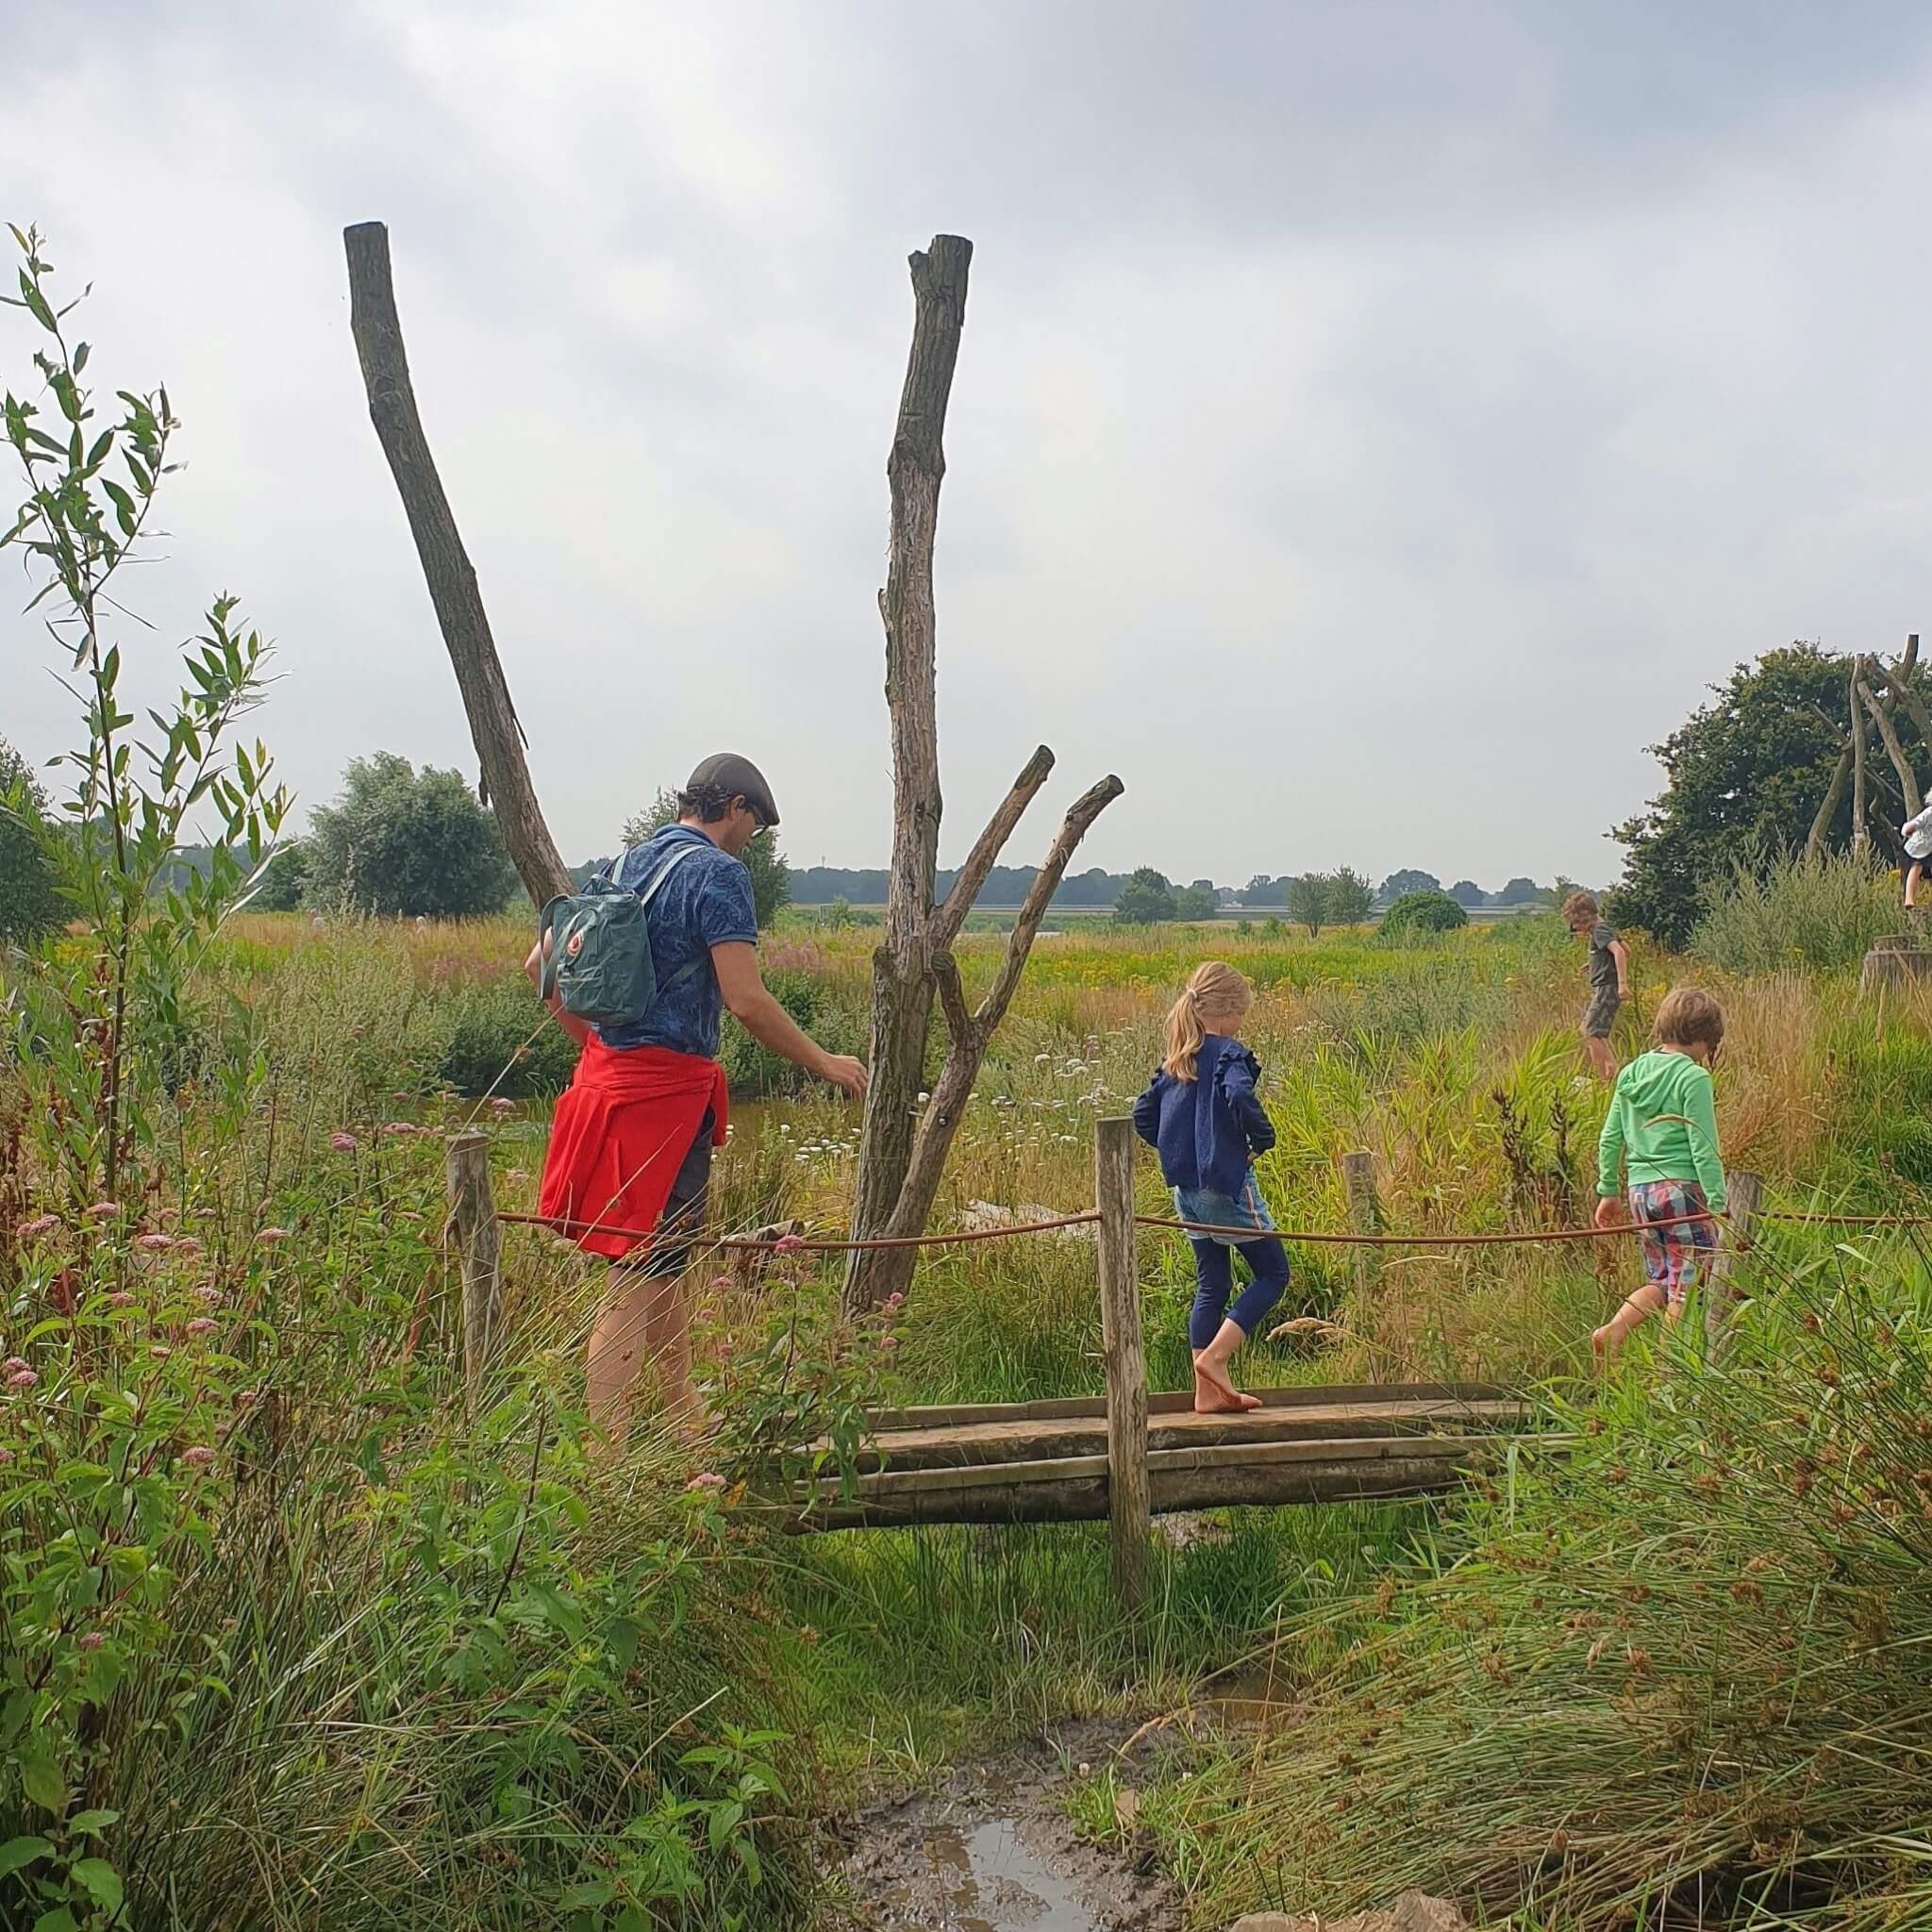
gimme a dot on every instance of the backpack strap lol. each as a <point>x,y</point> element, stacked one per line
<point>664,872</point>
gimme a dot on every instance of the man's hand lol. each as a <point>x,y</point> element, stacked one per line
<point>841,1071</point>
<point>1610,1212</point>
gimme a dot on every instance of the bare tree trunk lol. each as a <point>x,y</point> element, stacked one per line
<point>902,968</point>
<point>1898,680</point>
<point>1860,832</point>
<point>1881,717</point>
<point>1827,809</point>
<point>504,779</point>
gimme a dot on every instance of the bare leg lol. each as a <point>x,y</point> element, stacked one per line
<point>1603,1062</point>
<point>1912,876</point>
<point>619,1343</point>
<point>1214,1393</point>
<point>1608,1339</point>
<point>667,1337</point>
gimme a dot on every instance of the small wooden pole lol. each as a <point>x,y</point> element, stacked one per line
<point>478,1237</point>
<point>1126,1357</point>
<point>1861,832</point>
<point>1364,1213</point>
<point>1744,1202</point>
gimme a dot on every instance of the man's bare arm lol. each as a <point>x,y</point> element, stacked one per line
<point>768,1023</point>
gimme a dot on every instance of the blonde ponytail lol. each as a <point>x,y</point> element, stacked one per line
<point>1213,991</point>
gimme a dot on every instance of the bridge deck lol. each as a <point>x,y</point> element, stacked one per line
<point>1046,1461</point>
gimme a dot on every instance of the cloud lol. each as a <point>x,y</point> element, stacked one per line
<point>1374,426</point>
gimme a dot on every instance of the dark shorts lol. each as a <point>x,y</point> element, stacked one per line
<point>1601,1013</point>
<point>672,1248</point>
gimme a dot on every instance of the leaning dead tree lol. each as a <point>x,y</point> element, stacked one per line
<point>504,780</point>
<point>902,1150</point>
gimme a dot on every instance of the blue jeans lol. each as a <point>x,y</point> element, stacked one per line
<point>1267,1261</point>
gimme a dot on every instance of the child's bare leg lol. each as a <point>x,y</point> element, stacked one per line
<point>1912,875</point>
<point>1603,1062</point>
<point>1638,1309</point>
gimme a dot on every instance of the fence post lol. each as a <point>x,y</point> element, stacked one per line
<point>1364,1213</point>
<point>1125,1358</point>
<point>1743,1198</point>
<point>478,1238</point>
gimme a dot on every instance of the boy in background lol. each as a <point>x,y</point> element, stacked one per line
<point>1609,979</point>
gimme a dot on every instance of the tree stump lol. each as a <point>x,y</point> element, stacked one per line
<point>1898,959</point>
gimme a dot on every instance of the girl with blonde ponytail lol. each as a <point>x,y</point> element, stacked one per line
<point>1200,1111</point>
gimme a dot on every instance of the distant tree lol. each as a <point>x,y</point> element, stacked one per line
<point>1351,898</point>
<point>402,842</point>
<point>1423,911</point>
<point>1399,883</point>
<point>1262,891</point>
<point>31,904</point>
<point>279,888</point>
<point>1147,899</point>
<point>771,877</point>
<point>1308,901</point>
<point>1196,903</point>
<point>1466,893</point>
<point>1746,773</point>
<point>1517,892</point>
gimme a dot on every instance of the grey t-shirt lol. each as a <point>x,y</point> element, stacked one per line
<point>705,900</point>
<point>1603,963</point>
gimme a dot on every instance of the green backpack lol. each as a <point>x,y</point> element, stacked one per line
<point>596,949</point>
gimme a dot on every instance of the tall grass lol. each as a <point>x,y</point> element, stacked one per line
<point>1783,911</point>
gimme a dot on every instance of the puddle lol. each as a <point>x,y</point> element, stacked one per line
<point>993,1883</point>
<point>993,1851</point>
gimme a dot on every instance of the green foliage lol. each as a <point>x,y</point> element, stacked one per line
<point>771,877</point>
<point>1195,904</point>
<point>1399,884</point>
<point>1774,913</point>
<point>1350,896</point>
<point>31,904</point>
<point>1147,899</point>
<point>402,842</point>
<point>280,887</point>
<point>501,1042</point>
<point>1746,773</point>
<point>1422,912</point>
<point>1308,901</point>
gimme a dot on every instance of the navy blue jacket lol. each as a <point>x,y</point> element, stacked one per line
<point>1206,1127</point>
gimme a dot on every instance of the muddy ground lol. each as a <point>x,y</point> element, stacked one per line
<point>991,1849</point>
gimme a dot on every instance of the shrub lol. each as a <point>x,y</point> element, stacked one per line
<point>1782,911</point>
<point>1422,912</point>
<point>501,1042</point>
<point>31,904</point>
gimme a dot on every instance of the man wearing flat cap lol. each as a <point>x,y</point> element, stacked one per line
<point>631,1146</point>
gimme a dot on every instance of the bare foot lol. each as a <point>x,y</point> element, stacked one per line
<point>1214,1394</point>
<point>1598,1339</point>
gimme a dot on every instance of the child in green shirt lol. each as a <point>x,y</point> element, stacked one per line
<point>1662,1127</point>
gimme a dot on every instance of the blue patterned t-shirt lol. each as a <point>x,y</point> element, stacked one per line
<point>706,901</point>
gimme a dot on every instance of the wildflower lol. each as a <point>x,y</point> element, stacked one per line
<point>343,1143</point>
<point>104,1210</point>
<point>202,1325</point>
<point>894,1302</point>
<point>787,1243</point>
<point>161,1351</point>
<point>710,1480</point>
<point>5,1457</point>
<point>208,1293</point>
<point>400,1127</point>
<point>89,1639</point>
<point>889,1343</point>
<point>11,1363</point>
<point>245,1398</point>
<point>22,1378</point>
<point>199,1456</point>
<point>121,1299</point>
<point>187,1245</point>
<point>155,1244</point>
<point>269,1235</point>
<point>32,1230</point>
<point>503,1106</point>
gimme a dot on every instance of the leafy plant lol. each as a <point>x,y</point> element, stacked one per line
<point>1422,912</point>
<point>31,904</point>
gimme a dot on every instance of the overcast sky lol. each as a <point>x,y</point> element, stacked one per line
<point>1375,425</point>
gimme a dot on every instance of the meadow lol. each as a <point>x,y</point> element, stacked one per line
<point>295,1636</point>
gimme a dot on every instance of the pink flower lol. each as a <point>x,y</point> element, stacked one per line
<point>199,1456</point>
<point>400,1127</point>
<point>161,1351</point>
<point>22,1378</point>
<point>104,1210</point>
<point>188,1245</point>
<point>5,1457</point>
<point>707,1481</point>
<point>207,1294</point>
<point>889,1343</point>
<point>155,1244</point>
<point>269,1236</point>
<point>343,1143</point>
<point>89,1639</point>
<point>721,1283</point>
<point>503,1106</point>
<point>706,1313</point>
<point>121,1299</point>
<point>202,1325</point>
<point>12,1364</point>
<point>32,1230</point>
<point>787,1243</point>
<point>245,1398</point>
<point>894,1302</point>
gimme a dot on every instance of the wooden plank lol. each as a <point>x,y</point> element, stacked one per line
<point>1177,1402</point>
<point>1125,1362</point>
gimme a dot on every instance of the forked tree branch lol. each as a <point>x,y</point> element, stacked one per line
<point>985,852</point>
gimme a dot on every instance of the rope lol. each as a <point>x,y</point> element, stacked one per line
<point>1848,1220</point>
<point>797,1244</point>
<point>1425,1240</point>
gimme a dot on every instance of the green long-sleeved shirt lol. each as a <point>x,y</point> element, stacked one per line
<point>1662,1123</point>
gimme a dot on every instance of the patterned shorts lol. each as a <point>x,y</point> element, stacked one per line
<point>1601,1013</point>
<point>1675,1251</point>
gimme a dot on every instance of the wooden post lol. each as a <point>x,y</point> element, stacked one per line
<point>1744,1199</point>
<point>505,779</point>
<point>1364,1213</point>
<point>1127,1507</point>
<point>478,1237</point>
<point>1861,833</point>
